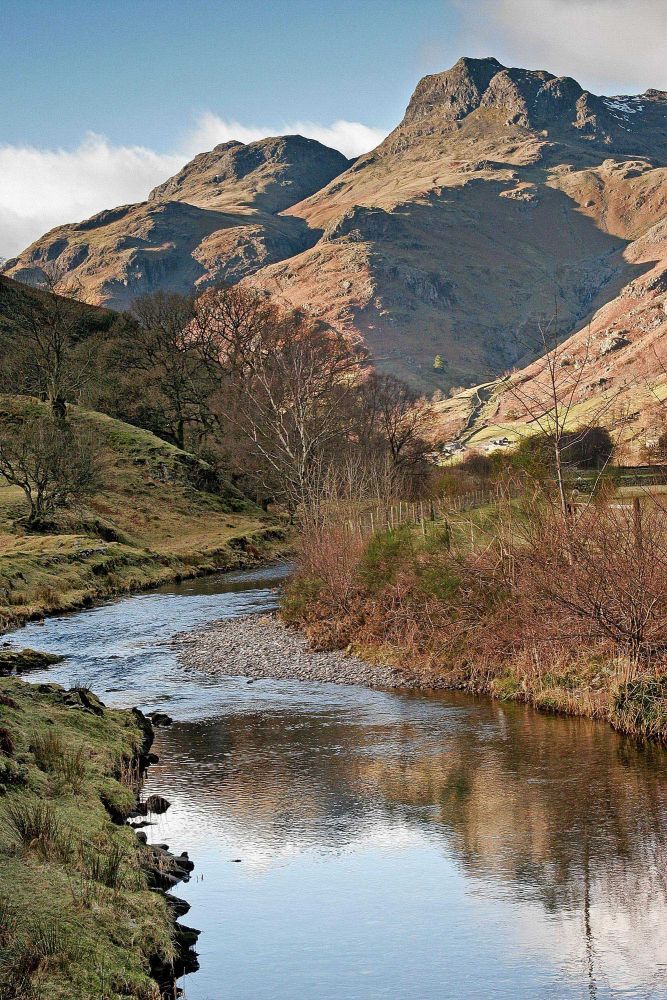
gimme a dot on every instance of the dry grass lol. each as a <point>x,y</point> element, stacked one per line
<point>571,617</point>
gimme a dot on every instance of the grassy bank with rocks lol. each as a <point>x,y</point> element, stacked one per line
<point>161,515</point>
<point>79,914</point>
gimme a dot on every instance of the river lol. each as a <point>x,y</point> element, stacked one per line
<point>361,845</point>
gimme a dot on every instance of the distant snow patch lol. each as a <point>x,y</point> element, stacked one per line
<point>624,104</point>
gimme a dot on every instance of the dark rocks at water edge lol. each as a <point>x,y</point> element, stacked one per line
<point>185,961</point>
<point>160,718</point>
<point>262,647</point>
<point>156,804</point>
<point>19,661</point>
<point>164,871</point>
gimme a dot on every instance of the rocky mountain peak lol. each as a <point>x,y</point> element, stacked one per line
<point>537,100</point>
<point>278,170</point>
<point>533,98</point>
<point>454,93</point>
<point>444,239</point>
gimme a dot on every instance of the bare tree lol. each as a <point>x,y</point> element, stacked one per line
<point>51,461</point>
<point>283,381</point>
<point>156,344</point>
<point>394,420</point>
<point>46,351</point>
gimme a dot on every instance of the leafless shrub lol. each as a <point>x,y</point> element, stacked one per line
<point>329,554</point>
<point>604,578</point>
<point>518,602</point>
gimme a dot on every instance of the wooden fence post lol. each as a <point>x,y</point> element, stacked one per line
<point>637,524</point>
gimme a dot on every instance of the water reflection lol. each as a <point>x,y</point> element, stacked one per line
<point>524,851</point>
<point>358,845</point>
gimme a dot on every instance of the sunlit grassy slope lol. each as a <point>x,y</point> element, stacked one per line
<point>160,515</point>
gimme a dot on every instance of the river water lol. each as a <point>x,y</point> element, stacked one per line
<point>361,845</point>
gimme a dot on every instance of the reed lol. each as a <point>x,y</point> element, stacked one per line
<point>35,825</point>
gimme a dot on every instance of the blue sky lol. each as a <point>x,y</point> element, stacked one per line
<point>103,99</point>
<point>140,71</point>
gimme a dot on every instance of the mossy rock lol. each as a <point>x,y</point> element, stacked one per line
<point>19,661</point>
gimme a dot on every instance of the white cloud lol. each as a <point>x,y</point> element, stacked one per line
<point>43,188</point>
<point>351,138</point>
<point>612,46</point>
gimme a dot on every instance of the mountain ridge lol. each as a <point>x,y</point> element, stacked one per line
<point>502,197</point>
<point>217,219</point>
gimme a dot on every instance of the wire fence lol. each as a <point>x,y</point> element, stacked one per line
<point>422,512</point>
<point>419,512</point>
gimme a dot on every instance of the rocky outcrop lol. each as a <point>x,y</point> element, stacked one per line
<point>270,174</point>
<point>454,94</point>
<point>537,100</point>
<point>19,661</point>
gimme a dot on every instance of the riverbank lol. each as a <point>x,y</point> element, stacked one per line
<point>79,914</point>
<point>87,571</point>
<point>495,602</point>
<point>163,515</point>
<point>262,647</point>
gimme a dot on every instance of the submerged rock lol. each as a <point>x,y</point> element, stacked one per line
<point>18,661</point>
<point>160,718</point>
<point>156,804</point>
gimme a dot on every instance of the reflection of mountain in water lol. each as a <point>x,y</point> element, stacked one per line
<point>562,817</point>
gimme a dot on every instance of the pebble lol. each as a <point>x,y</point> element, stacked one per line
<point>263,647</point>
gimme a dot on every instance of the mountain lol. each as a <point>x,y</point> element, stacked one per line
<point>616,364</point>
<point>216,220</point>
<point>504,197</point>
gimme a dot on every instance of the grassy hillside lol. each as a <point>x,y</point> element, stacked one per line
<point>14,296</point>
<point>161,515</point>
<point>614,369</point>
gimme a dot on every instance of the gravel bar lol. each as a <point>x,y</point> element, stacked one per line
<point>262,647</point>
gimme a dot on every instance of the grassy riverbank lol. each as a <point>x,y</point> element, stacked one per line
<point>162,515</point>
<point>77,919</point>
<point>490,604</point>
